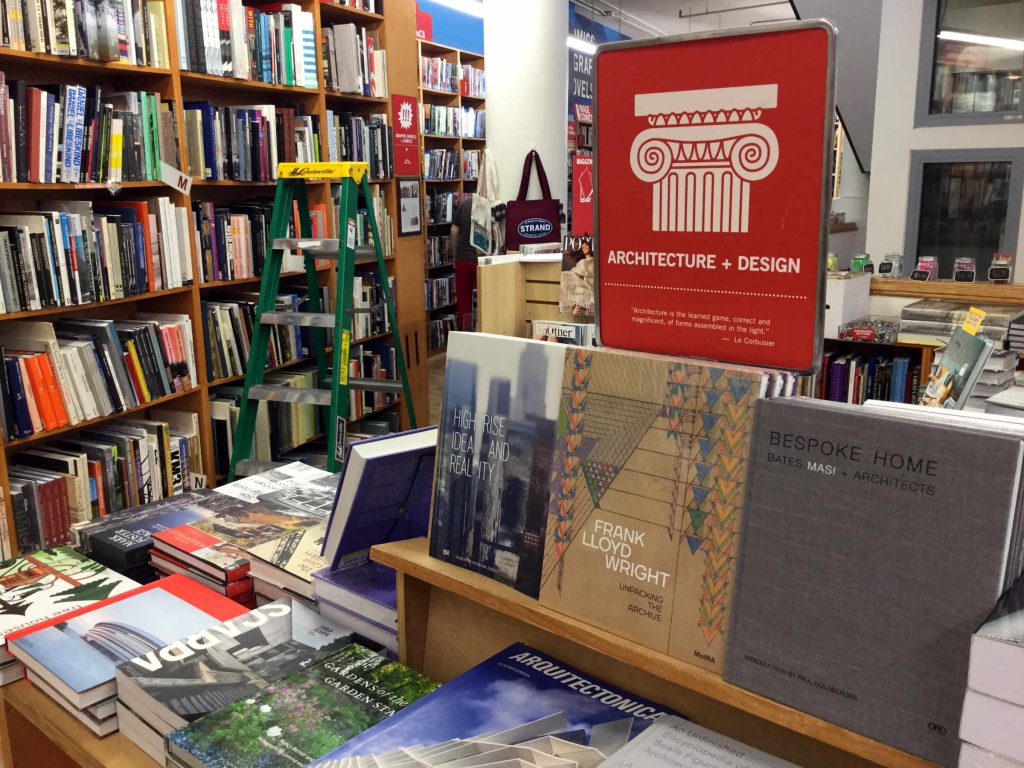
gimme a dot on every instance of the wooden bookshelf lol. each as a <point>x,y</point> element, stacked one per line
<point>436,601</point>
<point>397,32</point>
<point>947,289</point>
<point>458,144</point>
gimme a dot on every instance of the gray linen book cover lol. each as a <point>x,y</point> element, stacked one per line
<point>872,548</point>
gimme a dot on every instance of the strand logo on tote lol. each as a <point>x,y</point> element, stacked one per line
<point>534,228</point>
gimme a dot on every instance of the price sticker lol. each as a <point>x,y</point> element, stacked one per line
<point>346,343</point>
<point>973,321</point>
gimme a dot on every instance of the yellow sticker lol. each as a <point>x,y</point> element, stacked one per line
<point>346,342</point>
<point>975,317</point>
<point>354,171</point>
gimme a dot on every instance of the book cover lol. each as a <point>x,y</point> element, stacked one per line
<point>577,334</point>
<point>955,312</point>
<point>291,559</point>
<point>77,653</point>
<point>608,484</point>
<point>997,650</point>
<point>303,716</point>
<point>204,551</point>
<point>672,742</point>
<point>200,673</point>
<point>41,585</point>
<point>521,693</point>
<point>956,373</point>
<point>369,589</point>
<point>874,547</point>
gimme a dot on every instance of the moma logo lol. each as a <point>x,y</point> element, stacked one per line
<point>534,228</point>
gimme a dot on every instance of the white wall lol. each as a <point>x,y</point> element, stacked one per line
<point>527,89</point>
<point>895,136</point>
<point>853,201</point>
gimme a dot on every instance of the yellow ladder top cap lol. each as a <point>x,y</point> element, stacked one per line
<point>354,171</point>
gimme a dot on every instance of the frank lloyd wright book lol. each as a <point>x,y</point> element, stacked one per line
<point>517,696</point>
<point>672,742</point>
<point>41,585</point>
<point>301,717</point>
<point>76,653</point>
<point>874,547</point>
<point>290,560</point>
<point>609,484</point>
<point>203,671</point>
<point>384,495</point>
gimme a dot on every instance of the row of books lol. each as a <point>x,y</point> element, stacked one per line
<point>385,225</point>
<point>370,317</point>
<point>354,62</point>
<point>857,376</point>
<point>471,164</point>
<point>452,121</point>
<point>440,291</point>
<point>439,327</point>
<point>439,74</point>
<point>361,138</point>
<point>78,369</point>
<point>941,317</point>
<point>79,252</point>
<point>441,206</point>
<point>75,133</point>
<point>473,81</point>
<point>370,6</point>
<point>370,361</point>
<point>439,251</point>
<point>246,143</point>
<point>133,31</point>
<point>270,44</point>
<point>441,164</point>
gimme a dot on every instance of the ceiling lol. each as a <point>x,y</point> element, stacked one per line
<point>676,17</point>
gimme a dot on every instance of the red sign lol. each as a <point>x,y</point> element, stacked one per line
<point>712,203</point>
<point>582,195</point>
<point>584,113</point>
<point>424,24</point>
<point>405,119</point>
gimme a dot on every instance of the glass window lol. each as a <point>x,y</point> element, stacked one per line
<point>964,213</point>
<point>979,57</point>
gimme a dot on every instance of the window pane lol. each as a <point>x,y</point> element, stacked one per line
<point>963,213</point>
<point>979,56</point>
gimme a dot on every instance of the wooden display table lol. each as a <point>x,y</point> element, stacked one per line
<point>35,731</point>
<point>450,619</point>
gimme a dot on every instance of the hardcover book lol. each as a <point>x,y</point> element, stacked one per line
<point>608,484</point>
<point>368,589</point>
<point>954,376</point>
<point>874,547</point>
<point>955,312</point>
<point>201,672</point>
<point>517,696</point>
<point>45,584</point>
<point>207,553</point>
<point>301,717</point>
<point>78,652</point>
<point>290,560</point>
<point>997,650</point>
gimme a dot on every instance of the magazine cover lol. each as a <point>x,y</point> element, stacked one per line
<point>303,716</point>
<point>576,290</point>
<point>50,582</point>
<point>521,693</point>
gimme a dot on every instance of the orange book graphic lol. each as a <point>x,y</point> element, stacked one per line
<point>53,389</point>
<point>135,368</point>
<point>43,400</point>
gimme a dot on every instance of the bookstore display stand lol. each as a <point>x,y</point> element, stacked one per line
<point>442,314</point>
<point>438,601</point>
<point>397,33</point>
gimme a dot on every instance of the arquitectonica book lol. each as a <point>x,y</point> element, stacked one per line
<point>303,716</point>
<point>609,484</point>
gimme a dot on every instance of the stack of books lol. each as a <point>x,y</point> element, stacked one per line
<point>132,31</point>
<point>440,206</point>
<point>354,62</point>
<point>79,252</point>
<point>439,74</point>
<point>1009,402</point>
<point>194,674</point>
<point>204,558</point>
<point>441,164</point>
<point>997,376</point>
<point>1015,335</point>
<point>72,657</point>
<point>74,133</point>
<point>364,235</point>
<point>438,120</point>
<point>931,318</point>
<point>993,713</point>
<point>440,291</point>
<point>361,138</point>
<point>472,81</point>
<point>472,123</point>
<point>272,44</point>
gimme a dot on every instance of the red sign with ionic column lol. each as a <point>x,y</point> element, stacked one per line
<point>405,126</point>
<point>713,160</point>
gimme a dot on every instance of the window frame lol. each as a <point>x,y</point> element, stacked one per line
<point>923,117</point>
<point>920,158</point>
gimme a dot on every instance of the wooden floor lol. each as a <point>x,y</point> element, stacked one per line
<point>435,387</point>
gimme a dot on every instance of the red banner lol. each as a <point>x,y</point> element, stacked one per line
<point>424,25</point>
<point>713,158</point>
<point>405,122</point>
<point>582,195</point>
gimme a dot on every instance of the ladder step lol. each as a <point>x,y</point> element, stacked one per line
<point>367,310</point>
<point>250,467</point>
<point>280,393</point>
<point>376,385</point>
<point>304,319</point>
<point>320,248</point>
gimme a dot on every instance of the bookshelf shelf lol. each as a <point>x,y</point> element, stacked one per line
<point>473,100</point>
<point>23,441</point>
<point>442,181</point>
<point>439,92</point>
<point>235,84</point>
<point>474,139</point>
<point>336,12</point>
<point>355,97</point>
<point>434,596</point>
<point>253,280</point>
<point>35,314</point>
<point>242,184</point>
<point>443,306</point>
<point>31,186</point>
<point>439,137</point>
<point>947,289</point>
<point>9,56</point>
<point>446,265</point>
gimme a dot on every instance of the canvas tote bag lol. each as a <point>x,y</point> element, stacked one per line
<point>532,221</point>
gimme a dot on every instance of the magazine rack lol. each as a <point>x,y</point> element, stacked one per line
<point>35,730</point>
<point>450,619</point>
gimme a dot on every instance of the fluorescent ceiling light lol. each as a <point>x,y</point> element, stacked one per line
<point>581,45</point>
<point>472,7</point>
<point>997,42</point>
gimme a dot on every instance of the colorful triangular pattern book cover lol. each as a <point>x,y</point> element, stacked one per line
<point>608,484</point>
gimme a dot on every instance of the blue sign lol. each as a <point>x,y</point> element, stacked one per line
<point>581,65</point>
<point>535,228</point>
<point>455,28</point>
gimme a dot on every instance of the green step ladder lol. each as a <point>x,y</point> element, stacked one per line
<point>335,381</point>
